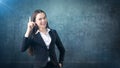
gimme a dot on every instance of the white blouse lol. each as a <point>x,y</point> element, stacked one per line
<point>46,37</point>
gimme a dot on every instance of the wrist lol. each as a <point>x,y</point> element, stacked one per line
<point>27,33</point>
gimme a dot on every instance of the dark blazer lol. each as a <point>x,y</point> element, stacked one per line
<point>40,50</point>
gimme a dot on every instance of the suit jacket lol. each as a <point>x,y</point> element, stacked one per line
<point>40,50</point>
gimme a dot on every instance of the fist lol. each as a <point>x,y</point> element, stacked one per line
<point>31,25</point>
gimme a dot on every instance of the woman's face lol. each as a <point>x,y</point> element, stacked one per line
<point>41,20</point>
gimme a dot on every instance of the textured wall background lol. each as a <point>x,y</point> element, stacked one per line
<point>89,30</point>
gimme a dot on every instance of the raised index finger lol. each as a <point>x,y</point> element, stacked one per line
<point>29,19</point>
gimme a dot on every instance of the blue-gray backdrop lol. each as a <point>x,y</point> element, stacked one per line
<point>89,30</point>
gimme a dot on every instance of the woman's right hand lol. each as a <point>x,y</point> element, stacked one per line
<point>30,27</point>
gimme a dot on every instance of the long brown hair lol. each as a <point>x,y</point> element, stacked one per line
<point>33,17</point>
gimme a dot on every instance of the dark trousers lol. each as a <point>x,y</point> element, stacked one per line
<point>49,65</point>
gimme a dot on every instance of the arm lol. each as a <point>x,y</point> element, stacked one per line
<point>25,44</point>
<point>61,49</point>
<point>26,40</point>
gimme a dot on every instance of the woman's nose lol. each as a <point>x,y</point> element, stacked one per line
<point>43,20</point>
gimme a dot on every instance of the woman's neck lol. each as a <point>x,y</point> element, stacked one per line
<point>43,30</point>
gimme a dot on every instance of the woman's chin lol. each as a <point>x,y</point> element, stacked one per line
<point>43,26</point>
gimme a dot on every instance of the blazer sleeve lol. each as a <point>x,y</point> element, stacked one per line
<point>60,48</point>
<point>25,44</point>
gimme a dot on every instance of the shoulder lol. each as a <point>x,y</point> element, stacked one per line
<point>52,30</point>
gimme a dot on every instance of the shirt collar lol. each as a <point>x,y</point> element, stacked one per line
<point>40,32</point>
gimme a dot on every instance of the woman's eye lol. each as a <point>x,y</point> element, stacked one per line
<point>44,18</point>
<point>40,19</point>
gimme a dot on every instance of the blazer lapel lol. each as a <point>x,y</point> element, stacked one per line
<point>38,38</point>
<point>52,37</point>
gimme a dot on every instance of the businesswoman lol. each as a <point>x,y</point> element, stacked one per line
<point>40,41</point>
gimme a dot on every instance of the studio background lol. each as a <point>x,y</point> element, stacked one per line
<point>89,30</point>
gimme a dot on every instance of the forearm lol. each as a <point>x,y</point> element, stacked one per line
<point>25,44</point>
<point>62,55</point>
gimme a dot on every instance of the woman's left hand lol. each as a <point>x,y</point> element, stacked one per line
<point>60,65</point>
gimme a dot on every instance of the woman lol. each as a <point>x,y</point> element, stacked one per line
<point>40,40</point>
